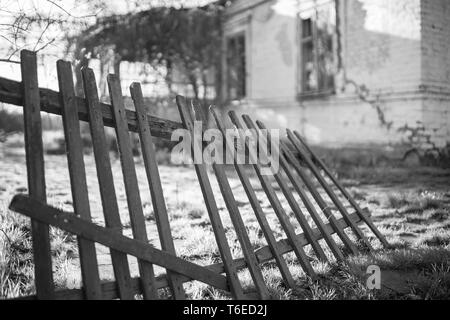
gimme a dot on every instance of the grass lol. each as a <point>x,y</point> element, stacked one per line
<point>411,207</point>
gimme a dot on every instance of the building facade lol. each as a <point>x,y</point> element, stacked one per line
<point>342,72</point>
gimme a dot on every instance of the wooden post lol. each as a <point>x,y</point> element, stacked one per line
<point>34,152</point>
<point>77,173</point>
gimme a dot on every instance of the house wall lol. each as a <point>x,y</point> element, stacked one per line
<point>271,51</point>
<point>399,50</point>
<point>436,69</point>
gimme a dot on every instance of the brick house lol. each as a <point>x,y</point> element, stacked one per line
<point>342,72</point>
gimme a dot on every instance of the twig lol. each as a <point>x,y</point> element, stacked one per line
<point>71,15</point>
<point>10,61</point>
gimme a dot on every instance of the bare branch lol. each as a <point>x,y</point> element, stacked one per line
<point>9,61</point>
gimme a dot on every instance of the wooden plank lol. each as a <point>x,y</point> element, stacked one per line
<point>35,173</point>
<point>259,213</point>
<point>323,206</point>
<point>156,192</point>
<point>11,93</point>
<point>213,212</point>
<point>134,201</point>
<point>288,194</point>
<point>340,187</point>
<point>77,173</point>
<point>359,234</point>
<point>276,205</point>
<point>236,219</point>
<point>105,180</point>
<point>305,199</point>
<point>110,238</point>
<point>263,254</point>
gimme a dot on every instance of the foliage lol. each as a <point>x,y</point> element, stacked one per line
<point>183,40</point>
<point>10,122</point>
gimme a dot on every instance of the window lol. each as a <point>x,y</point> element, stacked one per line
<point>318,27</point>
<point>236,74</point>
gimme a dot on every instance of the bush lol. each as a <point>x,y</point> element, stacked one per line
<point>11,122</point>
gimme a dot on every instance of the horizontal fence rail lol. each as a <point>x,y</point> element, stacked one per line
<point>11,92</point>
<point>263,254</point>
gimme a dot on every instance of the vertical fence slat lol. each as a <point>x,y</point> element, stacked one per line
<point>77,173</point>
<point>349,198</point>
<point>260,216</point>
<point>277,207</point>
<point>327,189</point>
<point>238,223</point>
<point>106,182</point>
<point>156,191</point>
<point>208,195</point>
<point>35,173</point>
<point>134,202</point>
<point>290,198</point>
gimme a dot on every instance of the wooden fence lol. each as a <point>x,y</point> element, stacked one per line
<point>224,275</point>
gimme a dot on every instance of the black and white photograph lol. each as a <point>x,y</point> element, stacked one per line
<point>238,156</point>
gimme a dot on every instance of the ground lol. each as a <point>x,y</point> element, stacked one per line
<point>410,205</point>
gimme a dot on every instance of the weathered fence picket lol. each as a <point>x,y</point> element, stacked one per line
<point>77,173</point>
<point>34,152</point>
<point>134,202</point>
<point>154,180</point>
<point>105,180</point>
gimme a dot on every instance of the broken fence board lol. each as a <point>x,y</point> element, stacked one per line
<point>107,237</point>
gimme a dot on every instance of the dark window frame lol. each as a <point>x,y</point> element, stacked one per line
<point>236,61</point>
<point>309,37</point>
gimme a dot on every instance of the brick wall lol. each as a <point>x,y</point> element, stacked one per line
<point>399,50</point>
<point>436,69</point>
